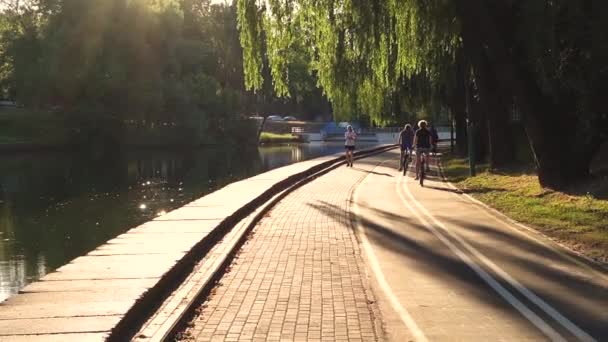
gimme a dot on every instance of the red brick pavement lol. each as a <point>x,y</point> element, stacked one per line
<point>300,276</point>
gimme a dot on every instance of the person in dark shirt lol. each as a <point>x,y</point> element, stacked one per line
<point>423,142</point>
<point>406,138</point>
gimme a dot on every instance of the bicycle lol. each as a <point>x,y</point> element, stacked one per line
<point>405,159</point>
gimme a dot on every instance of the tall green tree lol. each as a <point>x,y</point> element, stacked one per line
<point>149,62</point>
<point>539,57</point>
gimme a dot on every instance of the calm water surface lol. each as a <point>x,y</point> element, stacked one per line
<point>56,207</point>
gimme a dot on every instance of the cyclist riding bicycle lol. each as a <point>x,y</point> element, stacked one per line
<point>406,138</point>
<point>423,142</point>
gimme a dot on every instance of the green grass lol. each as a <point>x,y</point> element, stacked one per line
<point>577,218</point>
<point>273,138</point>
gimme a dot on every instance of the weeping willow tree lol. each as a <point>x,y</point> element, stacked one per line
<point>362,52</point>
<point>545,59</point>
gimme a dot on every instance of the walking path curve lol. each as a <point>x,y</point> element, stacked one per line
<point>365,253</point>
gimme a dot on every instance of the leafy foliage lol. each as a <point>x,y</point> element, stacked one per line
<point>373,57</point>
<point>362,51</point>
<point>148,63</point>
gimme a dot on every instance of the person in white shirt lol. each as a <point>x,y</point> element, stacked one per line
<point>350,136</point>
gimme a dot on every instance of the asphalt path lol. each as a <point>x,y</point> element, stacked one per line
<point>446,268</point>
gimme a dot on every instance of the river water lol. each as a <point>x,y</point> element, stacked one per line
<point>56,207</point>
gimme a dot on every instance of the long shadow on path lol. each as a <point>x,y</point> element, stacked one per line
<point>582,301</point>
<point>559,282</point>
<point>430,259</point>
<point>373,172</point>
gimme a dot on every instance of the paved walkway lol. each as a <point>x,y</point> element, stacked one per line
<point>441,268</point>
<point>459,271</point>
<point>95,294</point>
<point>300,276</point>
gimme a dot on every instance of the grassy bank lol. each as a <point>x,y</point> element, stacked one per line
<point>273,138</point>
<point>577,218</point>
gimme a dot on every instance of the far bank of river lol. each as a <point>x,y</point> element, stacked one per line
<point>55,207</point>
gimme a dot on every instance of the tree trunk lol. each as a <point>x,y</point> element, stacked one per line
<point>599,55</point>
<point>261,128</point>
<point>458,105</point>
<point>461,132</point>
<point>546,127</point>
<point>501,147</point>
<point>479,119</point>
<point>495,105</point>
<point>397,115</point>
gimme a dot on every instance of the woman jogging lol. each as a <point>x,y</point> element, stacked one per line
<point>406,137</point>
<point>350,136</point>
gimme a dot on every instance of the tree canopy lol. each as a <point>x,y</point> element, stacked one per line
<point>362,51</point>
<point>483,59</point>
<point>149,62</point>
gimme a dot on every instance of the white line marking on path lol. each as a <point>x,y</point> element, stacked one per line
<point>405,316</point>
<point>528,232</point>
<point>493,283</point>
<point>548,309</point>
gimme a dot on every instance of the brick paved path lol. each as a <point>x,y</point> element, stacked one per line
<point>299,277</point>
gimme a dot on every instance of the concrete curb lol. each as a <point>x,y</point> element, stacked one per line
<point>152,300</point>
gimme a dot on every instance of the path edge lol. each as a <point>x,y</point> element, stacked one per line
<point>145,307</point>
<point>558,247</point>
